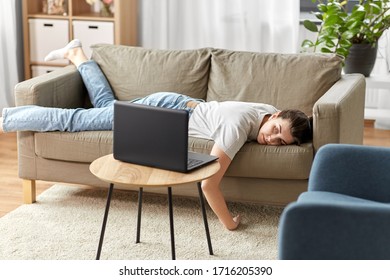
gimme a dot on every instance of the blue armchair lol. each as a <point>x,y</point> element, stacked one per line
<point>345,214</point>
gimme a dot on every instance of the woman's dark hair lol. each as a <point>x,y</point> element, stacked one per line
<point>301,125</point>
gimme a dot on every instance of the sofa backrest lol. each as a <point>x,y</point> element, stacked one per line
<point>286,81</point>
<point>136,72</point>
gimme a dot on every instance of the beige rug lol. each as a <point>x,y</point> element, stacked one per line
<point>65,224</point>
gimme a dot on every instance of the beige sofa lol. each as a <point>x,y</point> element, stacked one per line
<point>262,174</point>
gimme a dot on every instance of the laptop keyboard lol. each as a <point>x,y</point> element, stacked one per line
<point>193,162</point>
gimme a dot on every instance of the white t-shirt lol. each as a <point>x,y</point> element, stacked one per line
<point>230,123</point>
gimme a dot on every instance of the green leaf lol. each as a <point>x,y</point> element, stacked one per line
<point>344,3</point>
<point>322,8</point>
<point>333,7</point>
<point>375,8</point>
<point>330,43</point>
<point>330,33</point>
<point>343,52</point>
<point>357,16</point>
<point>326,50</point>
<point>311,26</point>
<point>353,24</point>
<point>319,16</point>
<point>307,44</point>
<point>349,34</point>
<point>357,8</point>
<point>345,43</point>
<point>333,19</point>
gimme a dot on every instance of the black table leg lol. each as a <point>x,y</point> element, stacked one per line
<point>140,192</point>
<point>206,224</point>
<point>171,223</point>
<point>104,221</point>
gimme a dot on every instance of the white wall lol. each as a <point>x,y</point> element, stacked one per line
<point>380,98</point>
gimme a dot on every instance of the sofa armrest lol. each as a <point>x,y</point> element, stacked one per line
<point>62,88</point>
<point>338,116</point>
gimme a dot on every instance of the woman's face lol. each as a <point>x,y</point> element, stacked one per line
<point>275,131</point>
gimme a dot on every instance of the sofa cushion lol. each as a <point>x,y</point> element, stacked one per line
<point>263,161</point>
<point>287,81</point>
<point>253,160</point>
<point>85,146</point>
<point>136,72</point>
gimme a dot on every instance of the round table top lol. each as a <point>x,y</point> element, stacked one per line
<point>122,173</point>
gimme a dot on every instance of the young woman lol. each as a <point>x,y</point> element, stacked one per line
<point>229,124</point>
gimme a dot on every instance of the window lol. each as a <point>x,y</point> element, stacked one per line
<point>307,6</point>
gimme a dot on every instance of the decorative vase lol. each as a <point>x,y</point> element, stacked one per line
<point>361,59</point>
<point>105,9</point>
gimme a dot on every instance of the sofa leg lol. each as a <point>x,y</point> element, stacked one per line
<point>29,191</point>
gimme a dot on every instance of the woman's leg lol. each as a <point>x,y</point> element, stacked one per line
<point>36,118</point>
<point>170,100</point>
<point>99,90</point>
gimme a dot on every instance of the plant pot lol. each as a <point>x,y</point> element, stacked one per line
<point>361,59</point>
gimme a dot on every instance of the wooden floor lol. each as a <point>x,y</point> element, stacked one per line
<point>11,195</point>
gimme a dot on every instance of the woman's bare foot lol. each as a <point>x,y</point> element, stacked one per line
<point>236,222</point>
<point>62,53</point>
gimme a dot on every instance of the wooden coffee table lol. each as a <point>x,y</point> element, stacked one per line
<point>123,174</point>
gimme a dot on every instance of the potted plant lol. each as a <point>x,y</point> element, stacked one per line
<point>353,35</point>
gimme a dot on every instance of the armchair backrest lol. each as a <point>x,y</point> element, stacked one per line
<point>355,170</point>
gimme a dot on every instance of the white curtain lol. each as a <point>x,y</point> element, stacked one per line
<point>251,25</point>
<point>11,57</point>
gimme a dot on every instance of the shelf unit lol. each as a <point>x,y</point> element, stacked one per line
<point>124,21</point>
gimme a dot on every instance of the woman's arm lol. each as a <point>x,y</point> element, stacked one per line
<point>212,191</point>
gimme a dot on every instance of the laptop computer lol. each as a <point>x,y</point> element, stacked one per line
<point>154,136</point>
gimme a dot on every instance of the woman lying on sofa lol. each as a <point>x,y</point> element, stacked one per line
<point>229,124</point>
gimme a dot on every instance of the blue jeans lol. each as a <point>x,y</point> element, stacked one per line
<point>37,118</point>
